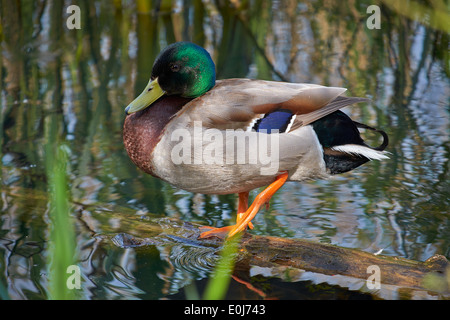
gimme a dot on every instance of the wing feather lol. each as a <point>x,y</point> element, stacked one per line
<point>235,103</point>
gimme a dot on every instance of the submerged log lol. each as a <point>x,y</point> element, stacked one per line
<point>272,253</point>
<point>333,260</point>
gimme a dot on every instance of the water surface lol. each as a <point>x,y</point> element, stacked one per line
<point>71,86</point>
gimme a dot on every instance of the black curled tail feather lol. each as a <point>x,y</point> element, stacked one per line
<point>385,142</point>
<point>343,147</point>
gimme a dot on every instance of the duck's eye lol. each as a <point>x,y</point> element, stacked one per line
<point>174,67</point>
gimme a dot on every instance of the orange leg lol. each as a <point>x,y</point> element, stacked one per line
<point>244,219</point>
<point>260,199</point>
<point>242,207</point>
<point>222,232</point>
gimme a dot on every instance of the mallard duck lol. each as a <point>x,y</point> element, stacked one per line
<point>232,136</point>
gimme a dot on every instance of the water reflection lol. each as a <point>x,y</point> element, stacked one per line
<point>77,82</point>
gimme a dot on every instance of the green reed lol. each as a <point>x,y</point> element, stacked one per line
<point>62,242</point>
<point>220,279</point>
<point>62,245</point>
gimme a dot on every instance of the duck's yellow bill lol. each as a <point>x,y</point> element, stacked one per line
<point>151,93</point>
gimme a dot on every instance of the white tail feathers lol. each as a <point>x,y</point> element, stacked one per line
<point>356,149</point>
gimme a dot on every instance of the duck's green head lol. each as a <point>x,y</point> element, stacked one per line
<point>182,69</point>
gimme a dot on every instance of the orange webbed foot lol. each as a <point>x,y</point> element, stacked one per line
<point>245,213</point>
<point>220,233</point>
<point>261,199</point>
